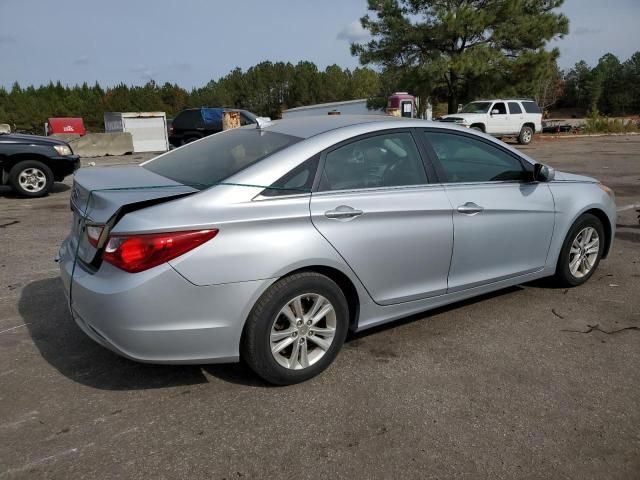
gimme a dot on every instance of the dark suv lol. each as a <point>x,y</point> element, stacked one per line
<point>30,163</point>
<point>194,123</point>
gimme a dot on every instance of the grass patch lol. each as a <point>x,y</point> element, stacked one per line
<point>597,123</point>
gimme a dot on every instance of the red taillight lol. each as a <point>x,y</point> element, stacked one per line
<point>93,234</point>
<point>135,253</point>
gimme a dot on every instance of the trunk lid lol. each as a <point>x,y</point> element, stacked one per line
<point>102,195</point>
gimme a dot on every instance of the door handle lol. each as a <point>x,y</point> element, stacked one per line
<point>470,208</point>
<point>343,212</point>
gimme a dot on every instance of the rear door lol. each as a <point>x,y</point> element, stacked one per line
<point>503,221</point>
<point>517,115</point>
<point>375,206</point>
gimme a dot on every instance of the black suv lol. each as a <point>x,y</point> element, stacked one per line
<point>195,123</point>
<point>31,163</point>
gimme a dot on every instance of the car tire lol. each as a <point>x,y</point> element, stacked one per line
<point>577,244</point>
<point>477,128</point>
<point>31,178</point>
<point>284,349</point>
<point>526,135</point>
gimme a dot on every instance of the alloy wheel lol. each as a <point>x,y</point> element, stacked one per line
<point>32,179</point>
<point>303,331</point>
<point>584,252</point>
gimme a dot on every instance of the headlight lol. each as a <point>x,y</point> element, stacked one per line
<point>63,150</point>
<point>607,190</point>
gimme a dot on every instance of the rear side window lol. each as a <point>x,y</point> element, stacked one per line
<point>386,160</point>
<point>298,180</point>
<point>514,108</point>
<point>465,159</point>
<point>531,107</point>
<point>217,157</point>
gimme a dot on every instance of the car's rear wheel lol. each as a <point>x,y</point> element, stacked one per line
<point>526,135</point>
<point>31,178</point>
<point>296,328</point>
<point>581,251</point>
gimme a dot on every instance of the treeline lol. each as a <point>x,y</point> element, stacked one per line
<point>265,89</point>
<point>611,87</point>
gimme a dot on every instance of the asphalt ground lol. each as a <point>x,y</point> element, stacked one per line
<point>529,382</point>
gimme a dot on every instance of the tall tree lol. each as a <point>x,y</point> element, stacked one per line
<point>458,41</point>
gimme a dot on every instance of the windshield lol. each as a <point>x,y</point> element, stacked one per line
<point>218,157</point>
<point>476,107</point>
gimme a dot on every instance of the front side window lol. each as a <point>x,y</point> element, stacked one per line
<point>464,159</point>
<point>476,107</point>
<point>500,107</point>
<point>387,160</point>
<point>216,158</point>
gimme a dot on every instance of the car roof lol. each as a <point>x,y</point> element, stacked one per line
<point>504,100</point>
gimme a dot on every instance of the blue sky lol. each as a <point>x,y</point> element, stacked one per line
<point>193,41</point>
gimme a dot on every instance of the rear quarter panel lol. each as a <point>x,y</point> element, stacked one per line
<point>257,239</point>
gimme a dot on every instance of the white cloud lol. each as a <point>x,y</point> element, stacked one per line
<point>353,32</point>
<point>586,31</point>
<point>82,60</point>
<point>145,72</point>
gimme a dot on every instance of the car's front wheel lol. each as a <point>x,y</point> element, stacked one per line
<point>31,178</point>
<point>581,251</point>
<point>296,328</point>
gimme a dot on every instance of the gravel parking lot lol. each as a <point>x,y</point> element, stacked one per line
<point>530,382</point>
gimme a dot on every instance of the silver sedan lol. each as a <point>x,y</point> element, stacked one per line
<point>270,243</point>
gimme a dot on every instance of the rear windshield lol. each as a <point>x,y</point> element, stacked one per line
<point>218,157</point>
<point>531,107</point>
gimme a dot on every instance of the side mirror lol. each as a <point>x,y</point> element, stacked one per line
<point>543,173</point>
<point>495,111</point>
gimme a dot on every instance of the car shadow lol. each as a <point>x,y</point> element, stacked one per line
<point>353,336</point>
<point>58,187</point>
<point>64,346</point>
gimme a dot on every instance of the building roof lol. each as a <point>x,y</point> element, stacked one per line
<point>324,105</point>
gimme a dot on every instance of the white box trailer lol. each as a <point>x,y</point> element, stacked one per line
<point>148,129</point>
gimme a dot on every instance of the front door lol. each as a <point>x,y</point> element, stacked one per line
<point>499,122</point>
<point>375,206</point>
<point>503,222</point>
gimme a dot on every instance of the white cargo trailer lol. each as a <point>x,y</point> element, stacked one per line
<point>148,129</point>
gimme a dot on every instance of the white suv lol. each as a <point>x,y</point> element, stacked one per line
<point>501,118</point>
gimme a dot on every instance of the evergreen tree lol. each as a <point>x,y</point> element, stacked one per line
<point>458,41</point>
